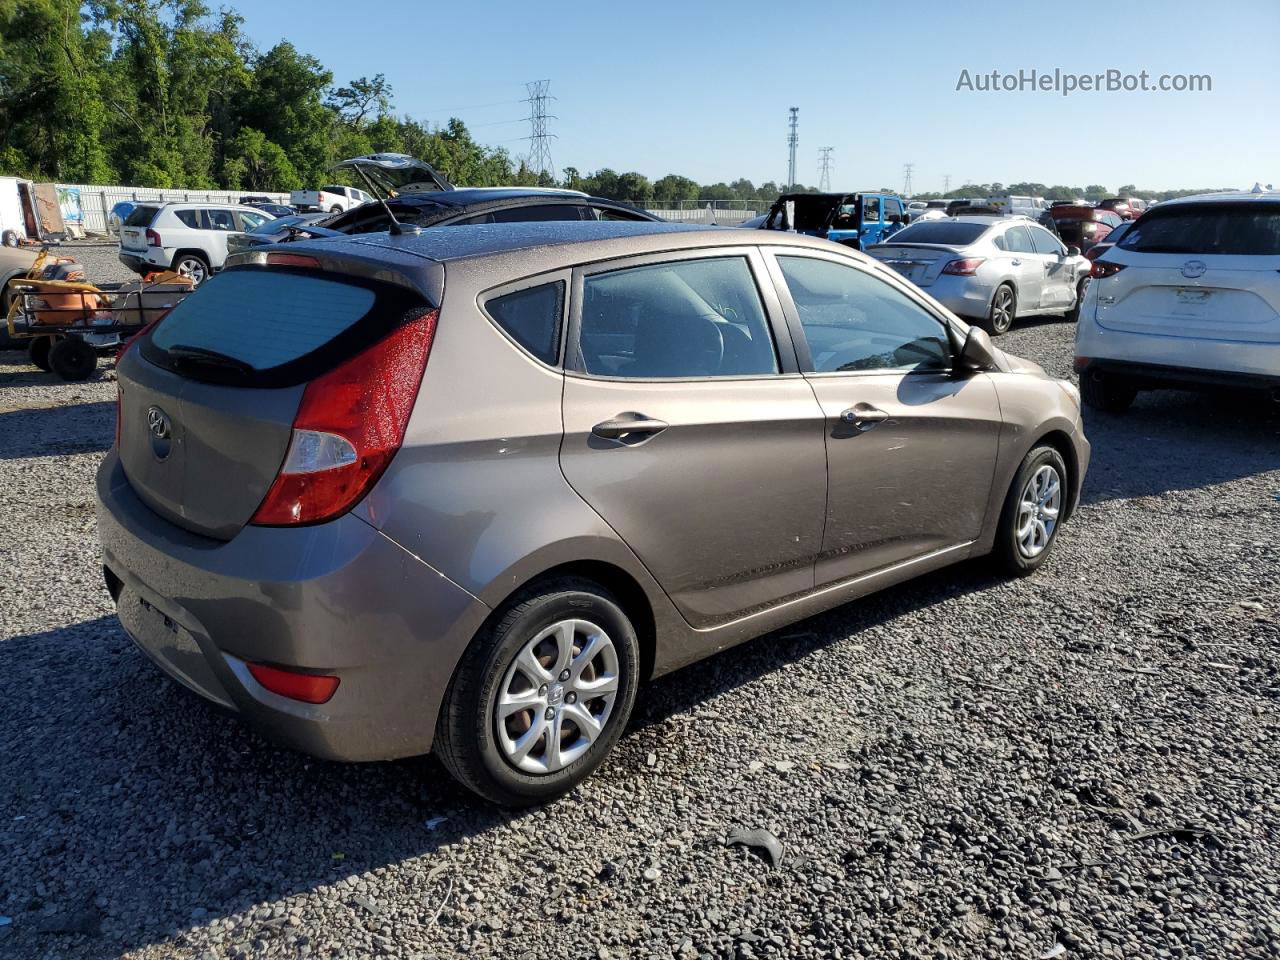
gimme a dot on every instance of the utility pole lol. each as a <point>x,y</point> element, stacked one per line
<point>824,179</point>
<point>793,140</point>
<point>906,179</point>
<point>539,160</point>
<point>946,184</point>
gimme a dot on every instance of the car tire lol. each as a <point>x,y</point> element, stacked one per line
<point>494,747</point>
<point>1032,513</point>
<point>1107,392</point>
<point>1073,315</point>
<point>192,265</point>
<point>72,359</point>
<point>1004,307</point>
<point>9,238</point>
<point>335,209</point>
<point>38,352</point>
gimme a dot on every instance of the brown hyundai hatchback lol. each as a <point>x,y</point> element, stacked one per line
<point>463,491</point>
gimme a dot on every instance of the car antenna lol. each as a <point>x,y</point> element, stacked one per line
<point>397,228</point>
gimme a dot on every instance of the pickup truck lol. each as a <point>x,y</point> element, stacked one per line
<point>331,199</point>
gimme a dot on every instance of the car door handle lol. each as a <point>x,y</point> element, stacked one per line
<point>628,424</point>
<point>863,416</point>
<point>1016,263</point>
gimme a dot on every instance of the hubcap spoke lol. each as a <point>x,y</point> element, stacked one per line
<point>519,749</point>
<point>532,669</point>
<point>587,725</point>
<point>510,703</point>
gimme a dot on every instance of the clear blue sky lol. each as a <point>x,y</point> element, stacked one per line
<point>702,87</point>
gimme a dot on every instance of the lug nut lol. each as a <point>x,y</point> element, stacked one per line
<point>551,713</point>
<point>564,675</point>
<point>570,698</point>
<point>542,690</point>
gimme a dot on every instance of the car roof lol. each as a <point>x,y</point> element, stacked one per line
<point>632,237</point>
<point>1267,196</point>
<point>470,196</point>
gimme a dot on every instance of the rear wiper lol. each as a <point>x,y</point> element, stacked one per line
<point>212,358</point>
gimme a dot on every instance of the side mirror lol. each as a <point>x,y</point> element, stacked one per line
<point>1073,251</point>
<point>978,353</point>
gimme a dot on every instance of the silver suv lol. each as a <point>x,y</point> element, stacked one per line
<point>190,238</point>
<point>465,490</point>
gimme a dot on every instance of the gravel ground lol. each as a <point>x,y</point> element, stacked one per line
<point>1085,761</point>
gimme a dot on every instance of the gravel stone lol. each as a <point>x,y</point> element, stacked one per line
<point>969,776</point>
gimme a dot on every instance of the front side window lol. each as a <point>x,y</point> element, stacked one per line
<point>854,321</point>
<point>220,220</point>
<point>691,318</point>
<point>531,318</point>
<point>1044,241</point>
<point>534,214</point>
<point>251,220</point>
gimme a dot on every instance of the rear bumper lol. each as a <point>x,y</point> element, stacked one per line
<point>963,296</point>
<point>1156,376</point>
<point>139,263</point>
<point>337,598</point>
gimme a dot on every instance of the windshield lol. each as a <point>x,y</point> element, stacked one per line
<point>942,232</point>
<point>1218,229</point>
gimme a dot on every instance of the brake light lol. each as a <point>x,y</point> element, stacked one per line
<point>306,687</point>
<point>349,425</point>
<point>153,239</point>
<point>964,268</point>
<point>292,260</point>
<point>1105,268</point>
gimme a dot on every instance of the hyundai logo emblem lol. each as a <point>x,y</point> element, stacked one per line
<point>158,423</point>
<point>1194,268</point>
<point>161,432</point>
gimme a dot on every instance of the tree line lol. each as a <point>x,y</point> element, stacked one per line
<point>169,93</point>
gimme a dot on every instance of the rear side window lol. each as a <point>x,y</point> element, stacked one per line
<point>532,318</point>
<point>141,216</point>
<point>691,318</point>
<point>1250,229</point>
<point>190,218</point>
<point>1017,240</point>
<point>274,327</point>
<point>556,211</point>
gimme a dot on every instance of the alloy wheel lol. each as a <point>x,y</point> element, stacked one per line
<point>557,697</point>
<point>1038,509</point>
<point>193,269</point>
<point>1002,310</point>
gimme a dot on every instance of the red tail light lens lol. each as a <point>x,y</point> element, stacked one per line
<point>349,425</point>
<point>1105,268</point>
<point>306,687</point>
<point>964,268</point>
<point>153,239</point>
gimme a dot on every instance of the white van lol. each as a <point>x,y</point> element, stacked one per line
<point>18,219</point>
<point>1019,206</point>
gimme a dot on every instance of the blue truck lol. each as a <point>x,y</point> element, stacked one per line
<point>855,219</point>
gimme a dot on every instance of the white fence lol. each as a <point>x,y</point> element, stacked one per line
<point>96,201</point>
<point>707,216</point>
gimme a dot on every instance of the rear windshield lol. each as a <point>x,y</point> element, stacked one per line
<point>251,326</point>
<point>1072,213</point>
<point>1250,229</point>
<point>141,216</point>
<point>940,231</point>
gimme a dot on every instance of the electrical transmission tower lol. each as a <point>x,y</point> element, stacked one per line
<point>824,180</point>
<point>906,179</point>
<point>539,159</point>
<point>793,140</point>
<point>946,184</point>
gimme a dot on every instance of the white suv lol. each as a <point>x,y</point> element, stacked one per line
<point>1189,297</point>
<point>190,238</point>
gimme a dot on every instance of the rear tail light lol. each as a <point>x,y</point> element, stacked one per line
<point>1082,363</point>
<point>349,425</point>
<point>964,268</point>
<point>307,687</point>
<point>153,239</point>
<point>1105,268</point>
